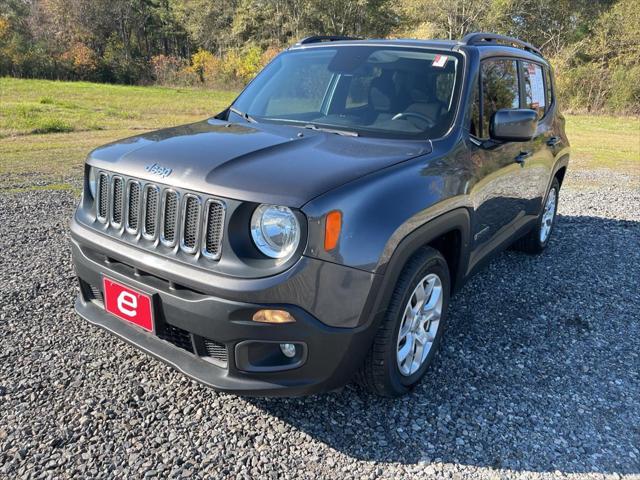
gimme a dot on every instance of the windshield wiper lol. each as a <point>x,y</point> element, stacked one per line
<point>346,133</point>
<point>244,115</point>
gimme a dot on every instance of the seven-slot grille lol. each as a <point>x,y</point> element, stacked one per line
<point>150,212</point>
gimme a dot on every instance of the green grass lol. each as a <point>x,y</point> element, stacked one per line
<point>41,106</point>
<point>47,127</point>
<point>604,142</point>
<point>48,186</point>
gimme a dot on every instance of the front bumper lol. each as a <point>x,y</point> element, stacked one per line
<point>203,321</point>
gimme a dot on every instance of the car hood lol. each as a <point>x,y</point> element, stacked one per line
<point>265,163</point>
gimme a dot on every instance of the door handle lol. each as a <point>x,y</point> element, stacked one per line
<point>553,141</point>
<point>522,157</point>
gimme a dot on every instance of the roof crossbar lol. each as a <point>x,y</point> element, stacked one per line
<point>480,38</point>
<point>325,38</point>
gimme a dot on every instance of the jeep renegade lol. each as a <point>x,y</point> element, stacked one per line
<point>315,230</point>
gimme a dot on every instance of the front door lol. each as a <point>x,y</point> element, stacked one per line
<point>496,190</point>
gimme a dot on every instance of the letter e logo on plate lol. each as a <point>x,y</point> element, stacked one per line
<point>128,304</point>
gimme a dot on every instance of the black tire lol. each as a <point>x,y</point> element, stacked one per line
<point>380,373</point>
<point>531,243</point>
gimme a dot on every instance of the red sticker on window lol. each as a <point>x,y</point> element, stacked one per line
<point>440,61</point>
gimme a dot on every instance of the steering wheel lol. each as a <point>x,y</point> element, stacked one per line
<point>430,123</point>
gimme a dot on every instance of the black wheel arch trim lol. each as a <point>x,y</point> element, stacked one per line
<point>562,162</point>
<point>456,220</point>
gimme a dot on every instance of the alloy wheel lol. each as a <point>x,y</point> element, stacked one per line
<point>548,215</point>
<point>420,323</point>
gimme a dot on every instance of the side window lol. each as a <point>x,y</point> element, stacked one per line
<point>534,87</point>
<point>500,89</point>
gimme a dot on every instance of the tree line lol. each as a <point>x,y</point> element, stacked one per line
<point>593,44</point>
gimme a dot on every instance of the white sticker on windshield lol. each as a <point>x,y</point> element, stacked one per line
<point>440,61</point>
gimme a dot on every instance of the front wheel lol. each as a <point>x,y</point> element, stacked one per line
<point>412,328</point>
<point>538,238</point>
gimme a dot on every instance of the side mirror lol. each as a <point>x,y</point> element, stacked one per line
<point>514,124</point>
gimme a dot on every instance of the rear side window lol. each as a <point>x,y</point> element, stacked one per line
<point>534,85</point>
<point>500,89</point>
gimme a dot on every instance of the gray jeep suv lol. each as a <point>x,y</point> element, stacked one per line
<point>315,230</point>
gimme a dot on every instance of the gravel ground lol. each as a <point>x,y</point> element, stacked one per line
<point>539,375</point>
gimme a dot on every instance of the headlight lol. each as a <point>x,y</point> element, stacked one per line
<point>275,231</point>
<point>92,181</point>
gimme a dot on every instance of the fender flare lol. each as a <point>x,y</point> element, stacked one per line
<point>387,274</point>
<point>562,162</point>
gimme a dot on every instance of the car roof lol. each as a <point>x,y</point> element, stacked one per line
<point>485,49</point>
<point>399,42</point>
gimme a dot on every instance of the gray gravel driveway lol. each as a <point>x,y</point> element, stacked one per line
<point>539,375</point>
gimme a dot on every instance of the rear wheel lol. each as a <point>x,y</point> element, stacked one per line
<point>412,328</point>
<point>538,238</point>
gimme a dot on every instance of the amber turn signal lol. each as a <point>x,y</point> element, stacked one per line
<point>333,225</point>
<point>273,316</point>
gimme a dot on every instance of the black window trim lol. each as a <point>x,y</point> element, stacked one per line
<point>548,77</point>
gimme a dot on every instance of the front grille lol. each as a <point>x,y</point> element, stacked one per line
<point>151,194</point>
<point>133,207</point>
<point>217,351</point>
<point>118,198</point>
<point>175,335</point>
<point>191,227</point>
<point>103,197</point>
<point>141,212</point>
<point>213,227</point>
<point>170,217</point>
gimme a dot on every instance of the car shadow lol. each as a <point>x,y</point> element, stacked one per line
<point>539,370</point>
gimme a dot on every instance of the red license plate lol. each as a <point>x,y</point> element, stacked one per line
<point>128,304</point>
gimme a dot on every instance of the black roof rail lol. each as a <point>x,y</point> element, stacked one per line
<point>480,38</point>
<point>324,38</point>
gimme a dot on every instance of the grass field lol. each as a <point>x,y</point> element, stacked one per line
<point>47,128</point>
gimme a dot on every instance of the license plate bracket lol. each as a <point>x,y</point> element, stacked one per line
<point>128,304</point>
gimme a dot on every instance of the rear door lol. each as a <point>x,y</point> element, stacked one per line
<point>536,168</point>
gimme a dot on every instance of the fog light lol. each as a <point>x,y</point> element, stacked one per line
<point>273,316</point>
<point>288,349</point>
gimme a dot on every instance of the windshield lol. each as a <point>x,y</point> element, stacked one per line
<point>364,90</point>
